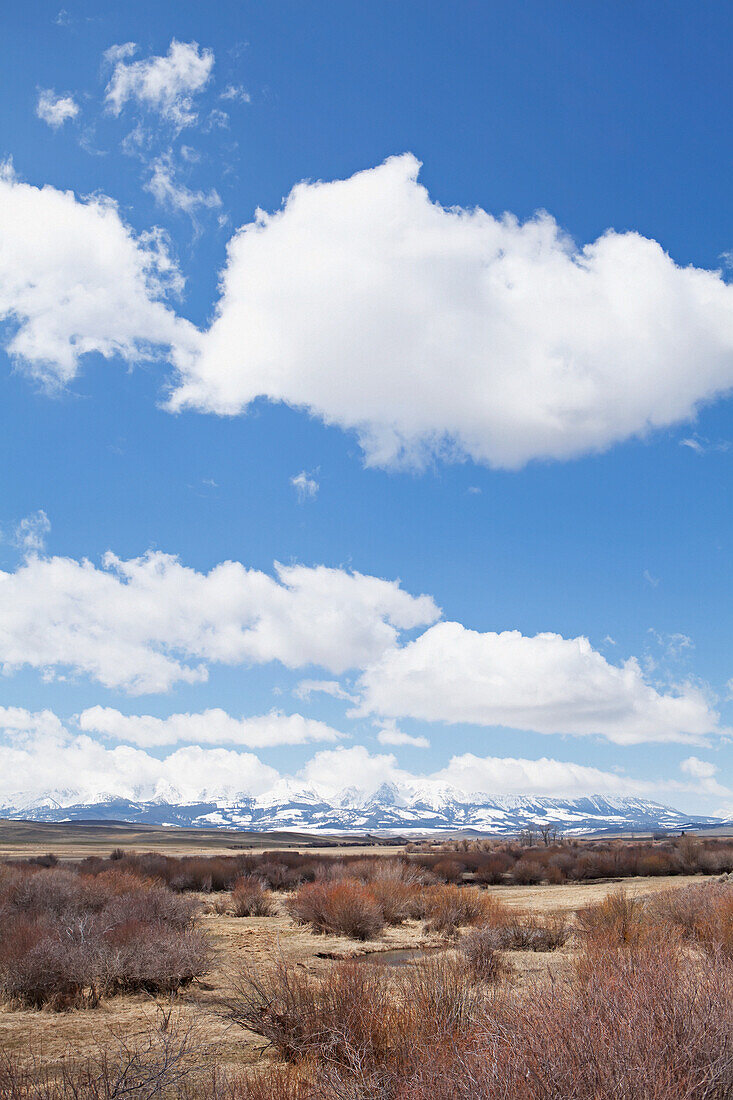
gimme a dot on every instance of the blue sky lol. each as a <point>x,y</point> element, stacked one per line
<point>535,438</point>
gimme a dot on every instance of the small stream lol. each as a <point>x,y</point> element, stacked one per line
<point>399,956</point>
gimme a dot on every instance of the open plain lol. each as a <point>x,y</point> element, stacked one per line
<point>42,1039</point>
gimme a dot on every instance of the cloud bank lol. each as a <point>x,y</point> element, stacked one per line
<point>449,332</point>
<point>41,758</point>
<point>431,332</point>
<point>210,727</point>
<point>544,683</point>
<point>144,624</point>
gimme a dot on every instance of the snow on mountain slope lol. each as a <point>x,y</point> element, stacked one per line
<point>422,807</point>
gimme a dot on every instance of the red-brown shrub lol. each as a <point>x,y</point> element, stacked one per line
<point>448,908</point>
<point>449,870</point>
<point>71,938</point>
<point>344,906</point>
<point>527,872</point>
<point>529,931</point>
<point>481,954</point>
<point>248,899</point>
<point>493,869</point>
<point>618,920</point>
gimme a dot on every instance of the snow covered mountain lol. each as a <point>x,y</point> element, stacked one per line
<point>410,809</point>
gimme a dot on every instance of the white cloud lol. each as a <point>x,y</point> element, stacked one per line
<point>39,757</point>
<point>56,110</point>
<point>704,773</point>
<point>166,85</point>
<point>30,533</point>
<point>389,734</point>
<point>305,486</point>
<point>305,688</point>
<point>428,331</point>
<point>170,192</point>
<point>237,93</point>
<point>551,778</point>
<point>694,444</point>
<point>545,683</point>
<point>119,52</point>
<point>702,446</point>
<point>211,727</point>
<point>75,280</point>
<point>332,770</point>
<point>699,769</point>
<point>217,120</point>
<point>446,331</point>
<point>149,622</point>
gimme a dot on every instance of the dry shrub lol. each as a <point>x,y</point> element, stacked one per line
<point>159,1062</point>
<point>493,869</point>
<point>278,1082</point>
<point>651,1023</point>
<point>302,1014</point>
<point>481,955</point>
<point>69,939</point>
<point>344,906</point>
<point>618,920</point>
<point>399,901</point>
<point>448,908</point>
<point>278,876</point>
<point>449,870</point>
<point>527,931</point>
<point>355,1016</point>
<point>633,1025</point>
<point>248,899</point>
<point>528,872</point>
<point>702,913</point>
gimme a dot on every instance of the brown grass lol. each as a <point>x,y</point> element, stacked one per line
<point>230,1064</point>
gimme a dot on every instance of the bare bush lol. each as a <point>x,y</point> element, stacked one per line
<point>523,931</point>
<point>161,1060</point>
<point>448,908</point>
<point>481,955</point>
<point>528,872</point>
<point>343,906</point>
<point>356,1017</point>
<point>249,899</point>
<point>618,920</point>
<point>69,939</point>
<point>646,1023</point>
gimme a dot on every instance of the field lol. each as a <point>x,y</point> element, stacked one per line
<point>24,839</point>
<point>196,1019</point>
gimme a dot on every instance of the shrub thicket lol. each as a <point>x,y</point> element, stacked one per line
<point>69,939</point>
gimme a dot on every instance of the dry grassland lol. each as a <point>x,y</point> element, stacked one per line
<point>249,942</point>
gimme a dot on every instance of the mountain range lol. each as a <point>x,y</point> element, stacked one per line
<point>389,809</point>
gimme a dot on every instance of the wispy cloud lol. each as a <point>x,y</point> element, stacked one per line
<point>168,191</point>
<point>700,445</point>
<point>30,533</point>
<point>235,93</point>
<point>56,110</point>
<point>165,85</point>
<point>389,734</point>
<point>305,486</point>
